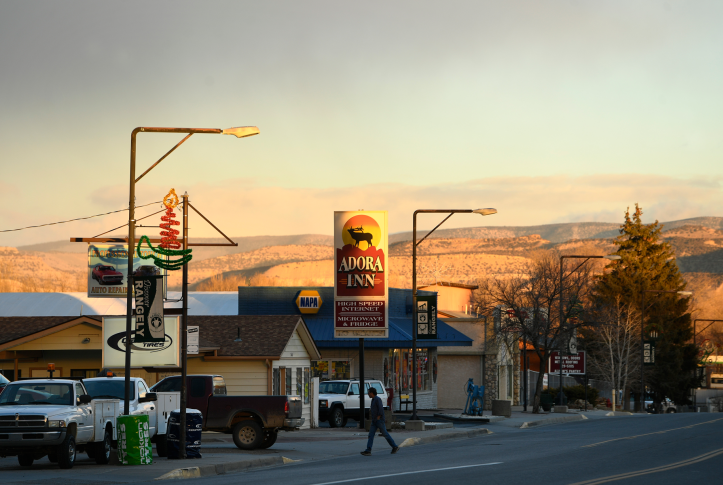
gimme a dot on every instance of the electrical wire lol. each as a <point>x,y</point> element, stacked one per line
<point>78,219</point>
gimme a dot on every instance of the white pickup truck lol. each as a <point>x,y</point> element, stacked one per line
<point>157,405</point>
<point>57,418</point>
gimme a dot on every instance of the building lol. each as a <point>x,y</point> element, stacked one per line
<point>256,355</point>
<point>389,360</point>
<point>488,360</point>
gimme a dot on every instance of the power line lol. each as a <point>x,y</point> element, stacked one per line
<point>78,219</point>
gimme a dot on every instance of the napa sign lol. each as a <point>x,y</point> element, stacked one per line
<point>308,301</point>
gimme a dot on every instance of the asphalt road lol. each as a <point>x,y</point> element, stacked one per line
<point>683,448</point>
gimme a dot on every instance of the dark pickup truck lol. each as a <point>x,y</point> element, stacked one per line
<point>254,421</point>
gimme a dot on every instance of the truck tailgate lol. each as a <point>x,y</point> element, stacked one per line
<point>167,402</point>
<point>295,407</point>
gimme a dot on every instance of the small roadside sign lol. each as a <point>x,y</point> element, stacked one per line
<point>192,340</point>
<point>571,364</point>
<point>648,352</point>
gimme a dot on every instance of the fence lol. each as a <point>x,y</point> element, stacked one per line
<point>604,388</point>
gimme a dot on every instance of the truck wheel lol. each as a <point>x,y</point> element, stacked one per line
<point>162,446</point>
<point>25,459</point>
<point>670,410</point>
<point>247,435</point>
<point>102,450</point>
<point>269,439</point>
<point>337,418</point>
<point>66,452</point>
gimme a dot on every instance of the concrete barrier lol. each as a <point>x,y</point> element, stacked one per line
<point>502,407</point>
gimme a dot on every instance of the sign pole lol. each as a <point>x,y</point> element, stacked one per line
<point>184,332</point>
<point>129,277</point>
<point>414,319</point>
<point>362,398</point>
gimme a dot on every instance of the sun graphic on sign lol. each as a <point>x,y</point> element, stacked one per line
<point>361,231</point>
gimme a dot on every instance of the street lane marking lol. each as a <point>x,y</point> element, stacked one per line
<point>409,473</point>
<point>650,434</point>
<point>622,476</point>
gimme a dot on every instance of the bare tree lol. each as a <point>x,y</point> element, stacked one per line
<point>531,301</point>
<point>613,344</point>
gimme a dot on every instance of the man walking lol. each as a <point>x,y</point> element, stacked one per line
<point>376,413</point>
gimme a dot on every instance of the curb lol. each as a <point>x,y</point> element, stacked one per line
<point>223,468</point>
<point>470,419</point>
<point>561,419</point>
<point>444,437</point>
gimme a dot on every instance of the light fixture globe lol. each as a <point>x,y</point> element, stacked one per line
<point>242,131</point>
<point>485,212</point>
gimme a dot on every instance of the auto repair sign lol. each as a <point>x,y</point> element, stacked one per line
<point>108,270</point>
<point>360,269</point>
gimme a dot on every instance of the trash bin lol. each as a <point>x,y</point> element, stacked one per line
<point>194,426</point>
<point>134,442</point>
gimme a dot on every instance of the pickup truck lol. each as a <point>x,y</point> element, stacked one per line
<point>57,418</point>
<point>253,421</point>
<point>157,406</point>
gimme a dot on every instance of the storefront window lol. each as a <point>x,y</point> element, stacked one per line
<point>307,383</point>
<point>299,381</point>
<point>327,370</point>
<point>288,381</point>
<point>401,371</point>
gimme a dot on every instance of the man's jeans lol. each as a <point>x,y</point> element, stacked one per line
<point>379,424</point>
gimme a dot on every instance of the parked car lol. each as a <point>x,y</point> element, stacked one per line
<point>157,406</point>
<point>57,418</point>
<point>107,275</point>
<point>254,421</point>
<point>146,270</point>
<point>339,400</point>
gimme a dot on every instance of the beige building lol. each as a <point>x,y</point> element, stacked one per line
<point>486,361</point>
<point>256,355</point>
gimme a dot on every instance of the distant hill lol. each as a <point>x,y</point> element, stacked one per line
<point>555,233</point>
<point>245,244</point>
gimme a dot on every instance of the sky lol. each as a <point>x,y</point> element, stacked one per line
<point>550,111</point>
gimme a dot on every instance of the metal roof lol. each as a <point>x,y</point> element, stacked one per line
<point>76,304</point>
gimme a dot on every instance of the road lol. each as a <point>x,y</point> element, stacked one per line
<point>660,449</point>
<point>688,447</point>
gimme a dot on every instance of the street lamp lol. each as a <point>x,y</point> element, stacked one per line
<point>611,257</point>
<point>451,212</point>
<point>641,407</point>
<point>239,132</point>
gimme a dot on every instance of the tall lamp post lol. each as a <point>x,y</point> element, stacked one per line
<point>611,257</point>
<point>641,406</point>
<point>239,132</point>
<point>451,212</point>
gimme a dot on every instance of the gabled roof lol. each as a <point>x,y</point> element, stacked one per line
<point>17,330</point>
<point>261,335</point>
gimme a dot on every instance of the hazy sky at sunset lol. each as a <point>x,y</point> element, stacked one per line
<point>550,111</point>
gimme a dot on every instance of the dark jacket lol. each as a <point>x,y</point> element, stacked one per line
<point>376,408</point>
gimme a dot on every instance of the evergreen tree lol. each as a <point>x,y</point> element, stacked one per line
<point>647,263</point>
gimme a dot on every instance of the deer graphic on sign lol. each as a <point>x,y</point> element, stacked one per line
<point>358,234</point>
